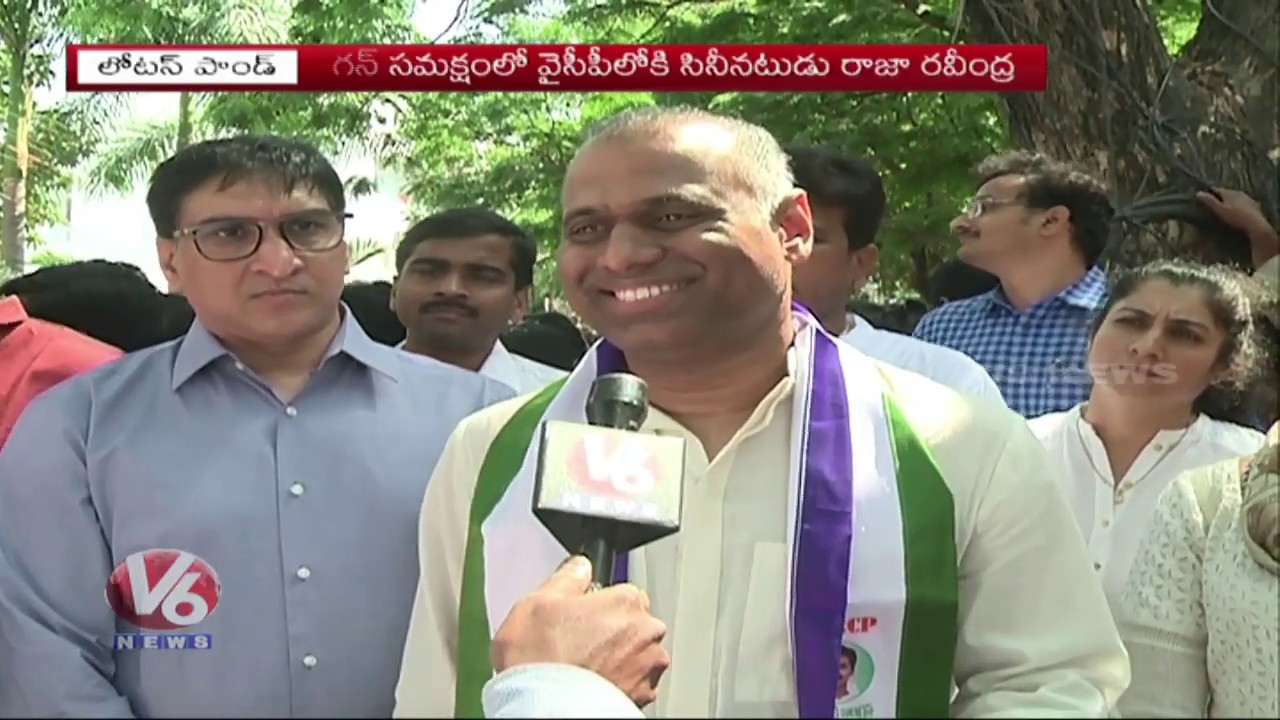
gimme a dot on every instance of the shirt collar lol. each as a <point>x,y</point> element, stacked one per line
<point>199,348</point>
<point>500,365</point>
<point>12,312</point>
<point>857,326</point>
<point>1088,293</point>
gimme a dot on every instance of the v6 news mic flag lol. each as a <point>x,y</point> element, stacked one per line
<point>606,490</point>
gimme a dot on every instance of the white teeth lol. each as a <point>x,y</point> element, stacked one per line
<point>644,293</point>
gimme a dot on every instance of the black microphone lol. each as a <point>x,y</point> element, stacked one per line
<point>605,488</point>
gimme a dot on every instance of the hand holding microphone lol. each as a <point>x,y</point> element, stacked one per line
<point>602,489</point>
<point>609,632</point>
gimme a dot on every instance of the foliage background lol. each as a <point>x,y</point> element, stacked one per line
<point>509,150</point>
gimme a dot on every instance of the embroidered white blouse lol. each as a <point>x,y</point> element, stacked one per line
<point>1201,615</point>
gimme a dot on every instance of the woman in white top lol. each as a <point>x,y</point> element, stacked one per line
<point>1200,617</point>
<point>1170,354</point>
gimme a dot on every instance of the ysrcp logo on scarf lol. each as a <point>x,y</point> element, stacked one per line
<point>164,590</point>
<point>857,670</point>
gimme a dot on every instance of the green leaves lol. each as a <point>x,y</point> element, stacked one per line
<point>332,120</point>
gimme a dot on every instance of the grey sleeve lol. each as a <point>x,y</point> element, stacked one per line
<point>56,628</point>
<point>555,691</point>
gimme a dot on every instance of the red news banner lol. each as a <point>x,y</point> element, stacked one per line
<point>572,68</point>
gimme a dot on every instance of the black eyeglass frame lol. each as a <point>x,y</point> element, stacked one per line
<point>261,227</point>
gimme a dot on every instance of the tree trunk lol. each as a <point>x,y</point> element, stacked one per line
<point>1120,106</point>
<point>185,127</point>
<point>19,113</point>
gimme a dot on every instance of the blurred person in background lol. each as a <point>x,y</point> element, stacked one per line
<point>1040,227</point>
<point>274,442</point>
<point>36,355</point>
<point>1172,356</point>
<point>464,276</point>
<point>548,338</point>
<point>112,302</point>
<point>370,303</point>
<point>848,202</point>
<point>956,279</point>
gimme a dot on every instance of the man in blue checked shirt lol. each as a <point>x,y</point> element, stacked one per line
<point>1040,227</point>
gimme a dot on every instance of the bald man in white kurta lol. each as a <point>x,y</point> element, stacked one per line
<point>1036,638</point>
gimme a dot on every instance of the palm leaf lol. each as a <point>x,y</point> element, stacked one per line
<point>127,159</point>
<point>364,250</point>
<point>359,186</point>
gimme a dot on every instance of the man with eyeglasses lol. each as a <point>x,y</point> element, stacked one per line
<point>247,495</point>
<point>1040,227</point>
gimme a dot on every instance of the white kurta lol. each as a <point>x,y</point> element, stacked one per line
<point>1114,523</point>
<point>1035,635</point>
<point>940,364</point>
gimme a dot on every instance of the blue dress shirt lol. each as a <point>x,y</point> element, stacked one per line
<point>307,511</point>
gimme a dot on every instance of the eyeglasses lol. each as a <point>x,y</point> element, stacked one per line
<point>980,206</point>
<point>313,231</point>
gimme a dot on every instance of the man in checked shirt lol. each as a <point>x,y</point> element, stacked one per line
<point>1040,227</point>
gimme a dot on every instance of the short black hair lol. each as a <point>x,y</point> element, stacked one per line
<point>80,276</point>
<point>1050,183</point>
<point>291,161</point>
<point>370,303</point>
<point>470,222</point>
<point>123,318</point>
<point>549,338</point>
<point>956,279</point>
<point>848,182</point>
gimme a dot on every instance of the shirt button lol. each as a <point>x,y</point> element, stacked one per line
<point>309,660</point>
<point>1158,447</point>
<point>239,365</point>
<point>1097,566</point>
<point>303,573</point>
<point>297,489</point>
<point>1106,523</point>
<point>291,411</point>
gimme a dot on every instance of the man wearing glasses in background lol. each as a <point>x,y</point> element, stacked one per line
<point>1039,227</point>
<point>276,448</point>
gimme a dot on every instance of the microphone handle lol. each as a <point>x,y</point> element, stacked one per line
<point>599,550</point>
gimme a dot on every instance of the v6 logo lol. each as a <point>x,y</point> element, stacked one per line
<point>611,465</point>
<point>163,589</point>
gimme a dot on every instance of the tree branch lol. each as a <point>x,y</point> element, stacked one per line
<point>458,13</point>
<point>930,17</point>
<point>666,11</point>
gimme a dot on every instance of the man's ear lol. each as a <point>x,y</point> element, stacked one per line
<point>166,254</point>
<point>522,306</point>
<point>346,252</point>
<point>795,226</point>
<point>1054,218</point>
<point>863,263</point>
